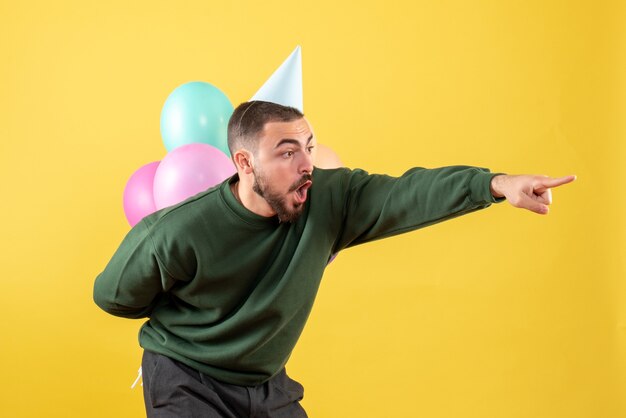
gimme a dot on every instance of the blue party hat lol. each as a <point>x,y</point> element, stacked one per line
<point>285,85</point>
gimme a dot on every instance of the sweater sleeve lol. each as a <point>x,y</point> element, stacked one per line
<point>132,281</point>
<point>379,206</point>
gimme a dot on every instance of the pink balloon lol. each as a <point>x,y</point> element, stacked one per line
<point>188,170</point>
<point>138,197</point>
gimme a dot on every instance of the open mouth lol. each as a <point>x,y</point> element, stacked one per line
<point>301,192</point>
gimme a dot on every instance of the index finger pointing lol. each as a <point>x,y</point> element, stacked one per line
<point>555,182</point>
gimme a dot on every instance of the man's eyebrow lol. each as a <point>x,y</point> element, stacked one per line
<point>292,141</point>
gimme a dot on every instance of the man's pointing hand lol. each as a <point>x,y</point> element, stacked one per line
<point>528,192</point>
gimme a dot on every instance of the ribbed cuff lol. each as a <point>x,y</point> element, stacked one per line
<point>480,188</point>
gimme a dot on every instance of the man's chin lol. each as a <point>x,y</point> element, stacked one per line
<point>290,215</point>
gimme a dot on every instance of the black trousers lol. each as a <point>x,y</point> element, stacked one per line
<point>172,389</point>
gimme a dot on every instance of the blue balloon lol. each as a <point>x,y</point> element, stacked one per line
<point>196,112</point>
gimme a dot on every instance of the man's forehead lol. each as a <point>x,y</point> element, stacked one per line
<point>295,129</point>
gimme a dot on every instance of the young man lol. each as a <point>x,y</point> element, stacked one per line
<point>228,277</point>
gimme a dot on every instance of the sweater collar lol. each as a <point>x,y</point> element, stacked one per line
<point>240,210</point>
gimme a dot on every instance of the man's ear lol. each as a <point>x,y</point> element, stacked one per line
<point>242,159</point>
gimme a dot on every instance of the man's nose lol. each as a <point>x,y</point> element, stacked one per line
<point>306,163</point>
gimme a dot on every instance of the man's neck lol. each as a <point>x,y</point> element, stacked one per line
<point>250,199</point>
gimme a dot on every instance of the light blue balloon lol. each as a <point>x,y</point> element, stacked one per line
<point>196,112</point>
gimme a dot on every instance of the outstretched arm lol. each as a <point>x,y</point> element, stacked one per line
<point>526,191</point>
<point>375,206</point>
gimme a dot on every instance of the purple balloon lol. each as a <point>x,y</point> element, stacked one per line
<point>138,197</point>
<point>189,170</point>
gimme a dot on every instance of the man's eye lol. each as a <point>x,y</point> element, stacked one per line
<point>310,149</point>
<point>288,154</point>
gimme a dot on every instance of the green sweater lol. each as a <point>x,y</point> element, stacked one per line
<point>228,292</point>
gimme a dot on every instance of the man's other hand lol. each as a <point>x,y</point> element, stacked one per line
<point>526,191</point>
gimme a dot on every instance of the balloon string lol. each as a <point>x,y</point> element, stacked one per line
<point>252,103</point>
<point>137,380</point>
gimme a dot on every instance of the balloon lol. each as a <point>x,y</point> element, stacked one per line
<point>189,170</point>
<point>326,157</point>
<point>196,112</point>
<point>138,197</point>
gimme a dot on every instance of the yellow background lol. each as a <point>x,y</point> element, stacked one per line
<point>501,313</point>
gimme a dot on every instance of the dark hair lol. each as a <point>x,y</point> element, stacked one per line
<point>249,118</point>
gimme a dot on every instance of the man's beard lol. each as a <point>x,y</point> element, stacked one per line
<point>285,212</point>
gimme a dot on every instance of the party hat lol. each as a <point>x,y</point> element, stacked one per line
<point>285,85</point>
